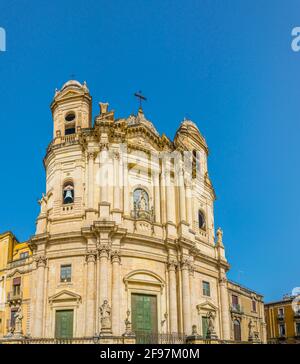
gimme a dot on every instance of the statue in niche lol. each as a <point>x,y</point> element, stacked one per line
<point>250,330</point>
<point>211,333</point>
<point>105,313</point>
<point>18,321</point>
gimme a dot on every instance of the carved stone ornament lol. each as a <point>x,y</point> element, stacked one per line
<point>115,256</point>
<point>91,256</point>
<point>105,318</point>
<point>41,261</point>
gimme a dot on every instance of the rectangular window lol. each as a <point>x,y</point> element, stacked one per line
<point>281,312</point>
<point>282,330</point>
<point>16,286</point>
<point>12,317</point>
<point>65,273</point>
<point>254,306</point>
<point>205,288</point>
<point>298,328</point>
<point>235,301</point>
<point>24,255</point>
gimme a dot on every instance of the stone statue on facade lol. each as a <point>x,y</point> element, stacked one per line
<point>220,236</point>
<point>211,332</point>
<point>128,329</point>
<point>105,313</point>
<point>18,322</point>
<point>143,201</point>
<point>250,331</point>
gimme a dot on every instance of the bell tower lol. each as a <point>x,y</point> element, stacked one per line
<point>71,109</point>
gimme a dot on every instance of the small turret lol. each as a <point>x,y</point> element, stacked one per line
<point>71,108</point>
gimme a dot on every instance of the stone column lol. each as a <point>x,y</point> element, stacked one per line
<point>116,294</point>
<point>116,167</point>
<point>170,194</point>
<point>189,208</point>
<point>182,196</point>
<point>156,196</point>
<point>186,299</point>
<point>90,328</point>
<point>39,303</point>
<point>104,255</point>
<point>192,294</point>
<point>224,309</point>
<point>173,297</point>
<point>104,174</point>
<point>126,191</point>
<point>163,195</point>
<point>91,157</point>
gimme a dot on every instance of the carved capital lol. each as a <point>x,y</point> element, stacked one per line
<point>172,265</point>
<point>91,256</point>
<point>117,155</point>
<point>103,251</point>
<point>223,281</point>
<point>185,264</point>
<point>41,261</point>
<point>103,146</point>
<point>115,257</point>
<point>91,155</point>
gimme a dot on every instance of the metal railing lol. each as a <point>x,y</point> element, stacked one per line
<point>143,214</point>
<point>18,262</point>
<point>14,296</point>
<point>237,308</point>
<point>143,337</point>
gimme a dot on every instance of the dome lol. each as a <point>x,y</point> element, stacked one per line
<point>74,84</point>
<point>190,130</point>
<point>189,126</point>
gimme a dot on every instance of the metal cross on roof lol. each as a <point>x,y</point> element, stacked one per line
<point>140,97</point>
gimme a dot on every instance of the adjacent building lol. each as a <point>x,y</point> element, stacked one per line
<point>126,235</point>
<point>283,320</point>
<point>15,285</point>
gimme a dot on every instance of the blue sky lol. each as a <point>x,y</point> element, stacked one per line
<point>228,65</point>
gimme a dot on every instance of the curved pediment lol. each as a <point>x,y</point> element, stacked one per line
<point>145,277</point>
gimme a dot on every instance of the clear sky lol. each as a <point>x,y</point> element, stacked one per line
<point>227,65</point>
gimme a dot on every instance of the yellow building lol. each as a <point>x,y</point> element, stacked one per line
<point>283,322</point>
<point>15,262</point>
<point>247,314</point>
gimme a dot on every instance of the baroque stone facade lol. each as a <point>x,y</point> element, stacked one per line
<point>125,239</point>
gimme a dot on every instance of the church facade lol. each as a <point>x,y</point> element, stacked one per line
<point>125,240</point>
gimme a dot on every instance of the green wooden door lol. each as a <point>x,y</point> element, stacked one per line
<point>64,324</point>
<point>204,326</point>
<point>144,313</point>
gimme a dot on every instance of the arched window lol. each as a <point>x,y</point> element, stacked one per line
<point>68,192</point>
<point>237,330</point>
<point>201,220</point>
<point>140,200</point>
<point>70,123</point>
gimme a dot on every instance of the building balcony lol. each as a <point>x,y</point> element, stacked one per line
<point>14,297</point>
<point>18,263</point>
<point>297,314</point>
<point>280,317</point>
<point>237,309</point>
<point>143,215</point>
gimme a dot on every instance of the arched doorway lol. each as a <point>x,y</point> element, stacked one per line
<point>237,330</point>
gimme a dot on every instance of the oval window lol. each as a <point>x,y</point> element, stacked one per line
<point>70,116</point>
